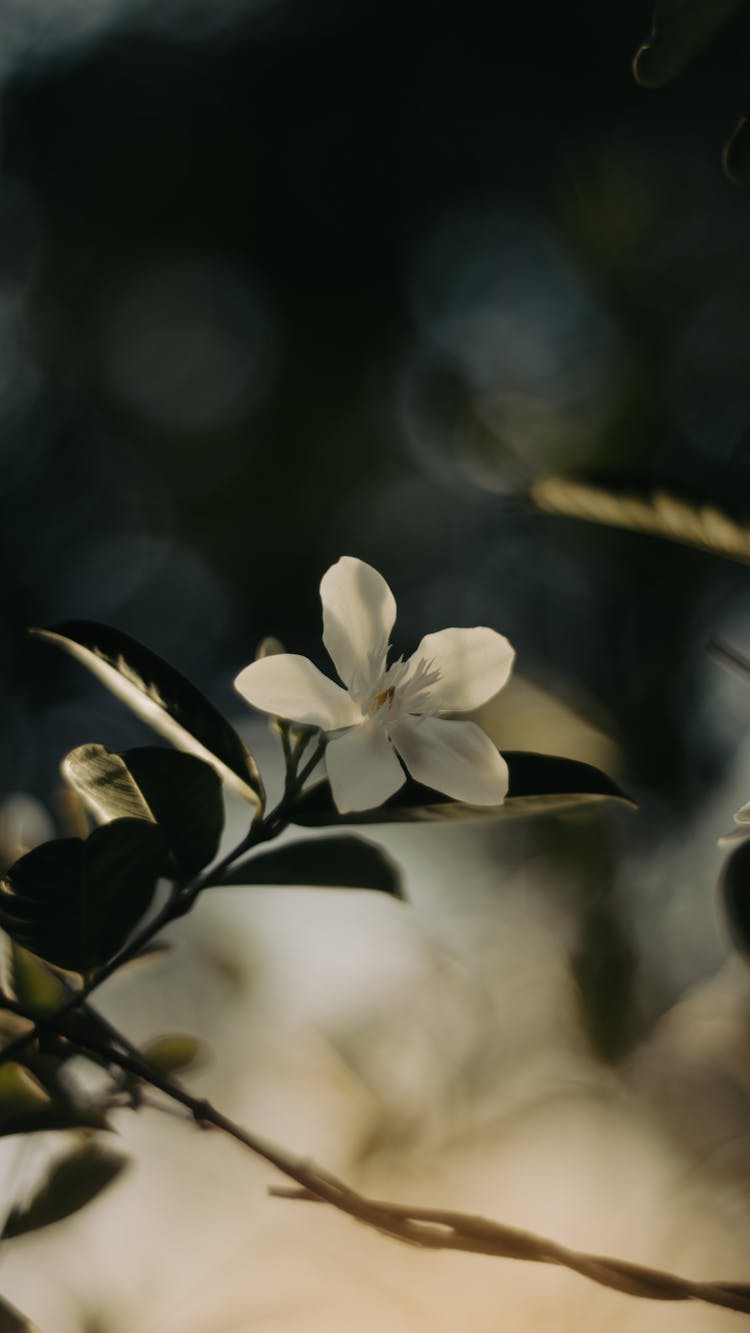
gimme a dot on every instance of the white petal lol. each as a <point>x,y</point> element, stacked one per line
<point>457,758</point>
<point>362,769</point>
<point>291,687</point>
<point>359,612</point>
<point>473,664</point>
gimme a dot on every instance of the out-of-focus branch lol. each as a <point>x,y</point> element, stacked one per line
<point>425,1228</point>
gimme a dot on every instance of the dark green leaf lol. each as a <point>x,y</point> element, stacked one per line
<point>12,1321</point>
<point>74,903</point>
<point>734,887</point>
<point>179,792</point>
<point>173,1054</point>
<point>343,862</point>
<point>162,697</point>
<point>71,1183</point>
<point>680,30</point>
<point>540,784</point>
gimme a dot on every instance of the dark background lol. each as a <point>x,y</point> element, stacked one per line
<point>286,280</point>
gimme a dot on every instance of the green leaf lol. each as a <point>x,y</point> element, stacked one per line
<point>680,29</point>
<point>28,1107</point>
<point>12,1321</point>
<point>177,791</point>
<point>734,889</point>
<point>74,902</point>
<point>32,982</point>
<point>162,697</point>
<point>540,784</point>
<point>21,1096</point>
<point>72,1181</point>
<point>342,862</point>
<point>174,1053</point>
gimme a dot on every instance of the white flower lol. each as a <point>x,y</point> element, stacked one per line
<point>386,711</point>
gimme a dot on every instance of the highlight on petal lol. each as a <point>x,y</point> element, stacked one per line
<point>359,612</point>
<point>291,687</point>
<point>472,666</point>
<point>362,768</point>
<point>454,757</point>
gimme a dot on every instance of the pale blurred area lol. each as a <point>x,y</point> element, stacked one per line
<point>434,1053</point>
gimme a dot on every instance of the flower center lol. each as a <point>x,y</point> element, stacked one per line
<point>385,697</point>
<point>382,703</point>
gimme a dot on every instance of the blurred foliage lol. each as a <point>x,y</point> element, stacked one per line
<point>73,1180</point>
<point>681,29</point>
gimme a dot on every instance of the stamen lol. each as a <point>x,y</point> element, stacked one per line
<point>385,696</point>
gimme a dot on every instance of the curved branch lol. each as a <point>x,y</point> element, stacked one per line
<point>426,1228</point>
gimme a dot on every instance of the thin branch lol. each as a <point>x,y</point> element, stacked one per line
<point>426,1228</point>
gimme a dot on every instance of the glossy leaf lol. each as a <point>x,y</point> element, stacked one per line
<point>343,862</point>
<point>162,697</point>
<point>174,1053</point>
<point>74,902</point>
<point>72,1182</point>
<point>179,792</point>
<point>540,784</point>
<point>734,887</point>
<point>681,28</point>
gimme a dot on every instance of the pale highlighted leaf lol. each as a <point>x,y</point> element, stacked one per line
<point>540,784</point>
<point>343,862</point>
<point>177,791</point>
<point>657,514</point>
<point>161,697</point>
<point>71,1182</point>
